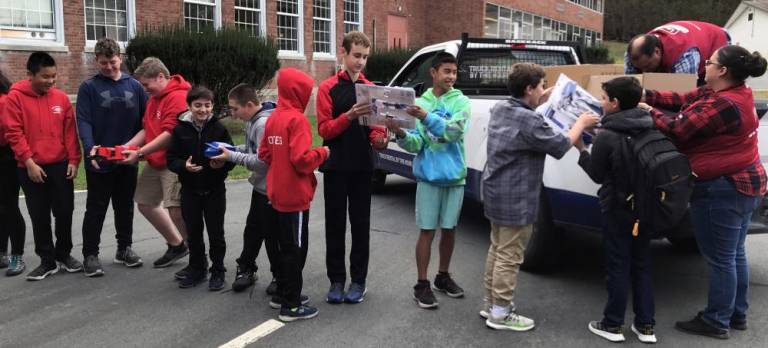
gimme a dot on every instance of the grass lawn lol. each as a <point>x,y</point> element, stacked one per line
<point>616,50</point>
<point>236,129</point>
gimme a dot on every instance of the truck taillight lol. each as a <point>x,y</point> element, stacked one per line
<point>518,45</point>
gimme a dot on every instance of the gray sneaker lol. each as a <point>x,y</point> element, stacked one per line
<point>71,265</point>
<point>128,258</point>
<point>16,266</point>
<point>511,321</point>
<point>92,266</point>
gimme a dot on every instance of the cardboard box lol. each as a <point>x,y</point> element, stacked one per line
<point>659,81</point>
<point>591,76</point>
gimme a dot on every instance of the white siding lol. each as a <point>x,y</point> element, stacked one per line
<point>751,35</point>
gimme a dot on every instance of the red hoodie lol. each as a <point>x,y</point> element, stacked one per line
<point>3,142</point>
<point>162,115</point>
<point>41,127</point>
<point>286,143</point>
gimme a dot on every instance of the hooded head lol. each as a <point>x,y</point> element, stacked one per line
<point>294,87</point>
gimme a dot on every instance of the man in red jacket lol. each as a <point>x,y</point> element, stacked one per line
<point>41,130</point>
<point>679,47</point>
<point>286,148</point>
<point>156,183</point>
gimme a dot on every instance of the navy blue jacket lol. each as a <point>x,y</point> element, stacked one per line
<point>109,113</point>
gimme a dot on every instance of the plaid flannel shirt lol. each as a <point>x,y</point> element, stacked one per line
<point>687,64</point>
<point>704,114</point>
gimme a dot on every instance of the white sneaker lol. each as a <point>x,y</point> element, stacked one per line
<point>611,334</point>
<point>646,335</point>
<point>486,309</point>
<point>512,321</point>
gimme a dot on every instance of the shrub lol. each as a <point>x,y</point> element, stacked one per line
<point>597,55</point>
<point>217,59</point>
<point>384,64</point>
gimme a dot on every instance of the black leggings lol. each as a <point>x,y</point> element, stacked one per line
<point>10,215</point>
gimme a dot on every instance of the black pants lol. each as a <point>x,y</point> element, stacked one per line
<point>118,186</point>
<point>260,226</point>
<point>211,207</point>
<point>13,225</point>
<point>627,264</point>
<point>347,191</point>
<point>293,239</point>
<point>56,195</point>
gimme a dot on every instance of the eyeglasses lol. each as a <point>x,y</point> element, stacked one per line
<point>709,62</point>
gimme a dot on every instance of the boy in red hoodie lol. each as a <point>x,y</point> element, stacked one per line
<point>286,148</point>
<point>41,130</point>
<point>157,184</point>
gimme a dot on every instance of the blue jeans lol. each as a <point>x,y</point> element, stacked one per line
<point>720,216</point>
<point>627,266</point>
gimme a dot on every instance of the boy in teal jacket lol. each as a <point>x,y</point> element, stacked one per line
<point>442,114</point>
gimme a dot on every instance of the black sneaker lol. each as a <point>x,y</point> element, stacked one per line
<point>698,326</point>
<point>128,258</point>
<point>193,278</point>
<point>171,255</point>
<point>423,295</point>
<point>42,271</point>
<point>445,284</point>
<point>92,266</point>
<point>298,313</point>
<point>217,281</point>
<point>244,279</point>
<point>611,333</point>
<point>71,265</point>
<point>739,324</point>
<point>276,301</point>
<point>272,287</point>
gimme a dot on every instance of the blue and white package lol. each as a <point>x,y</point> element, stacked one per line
<point>212,149</point>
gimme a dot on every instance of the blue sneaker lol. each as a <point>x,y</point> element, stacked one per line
<point>335,293</point>
<point>298,313</point>
<point>355,293</point>
<point>16,266</point>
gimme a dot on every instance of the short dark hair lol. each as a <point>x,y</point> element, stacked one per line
<point>5,84</point>
<point>740,63</point>
<point>355,38</point>
<point>39,60</point>
<point>199,92</point>
<point>521,76</point>
<point>626,89</point>
<point>442,58</point>
<point>649,45</point>
<point>244,93</point>
<point>106,47</point>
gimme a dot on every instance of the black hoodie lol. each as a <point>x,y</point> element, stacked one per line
<point>188,140</point>
<point>605,164</point>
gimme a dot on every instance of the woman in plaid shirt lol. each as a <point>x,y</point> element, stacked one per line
<point>716,127</point>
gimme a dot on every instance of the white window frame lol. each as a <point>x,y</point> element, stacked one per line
<point>130,9</point>
<point>26,44</point>
<point>288,54</point>
<point>360,21</point>
<point>485,18</point>
<point>216,11</point>
<point>332,27</point>
<point>262,16</point>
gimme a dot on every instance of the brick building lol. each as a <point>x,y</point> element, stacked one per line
<point>304,29</point>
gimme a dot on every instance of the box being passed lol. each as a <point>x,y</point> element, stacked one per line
<point>386,102</point>
<point>680,83</point>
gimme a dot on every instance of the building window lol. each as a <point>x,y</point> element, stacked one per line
<point>249,16</point>
<point>31,21</point>
<point>594,5</point>
<point>110,18</point>
<point>201,15</point>
<point>322,26</point>
<point>289,26</point>
<point>353,10</point>
<point>491,20</point>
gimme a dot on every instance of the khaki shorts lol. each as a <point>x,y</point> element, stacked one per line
<point>157,186</point>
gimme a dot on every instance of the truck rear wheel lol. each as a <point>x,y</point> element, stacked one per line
<point>544,249</point>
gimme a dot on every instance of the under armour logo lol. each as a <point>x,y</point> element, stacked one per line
<point>108,99</point>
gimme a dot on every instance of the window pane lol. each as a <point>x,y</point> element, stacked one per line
<point>491,20</point>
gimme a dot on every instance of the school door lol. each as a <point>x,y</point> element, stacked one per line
<point>397,32</point>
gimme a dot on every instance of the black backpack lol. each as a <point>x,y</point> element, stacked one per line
<point>660,181</point>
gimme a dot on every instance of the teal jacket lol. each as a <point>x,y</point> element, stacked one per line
<point>438,140</point>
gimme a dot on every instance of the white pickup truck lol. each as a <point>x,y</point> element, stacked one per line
<point>569,198</point>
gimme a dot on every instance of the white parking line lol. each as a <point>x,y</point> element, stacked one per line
<point>254,334</point>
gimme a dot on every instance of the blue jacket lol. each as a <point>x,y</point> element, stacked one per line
<point>109,113</point>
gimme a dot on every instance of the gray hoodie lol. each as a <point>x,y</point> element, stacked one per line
<point>248,153</point>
